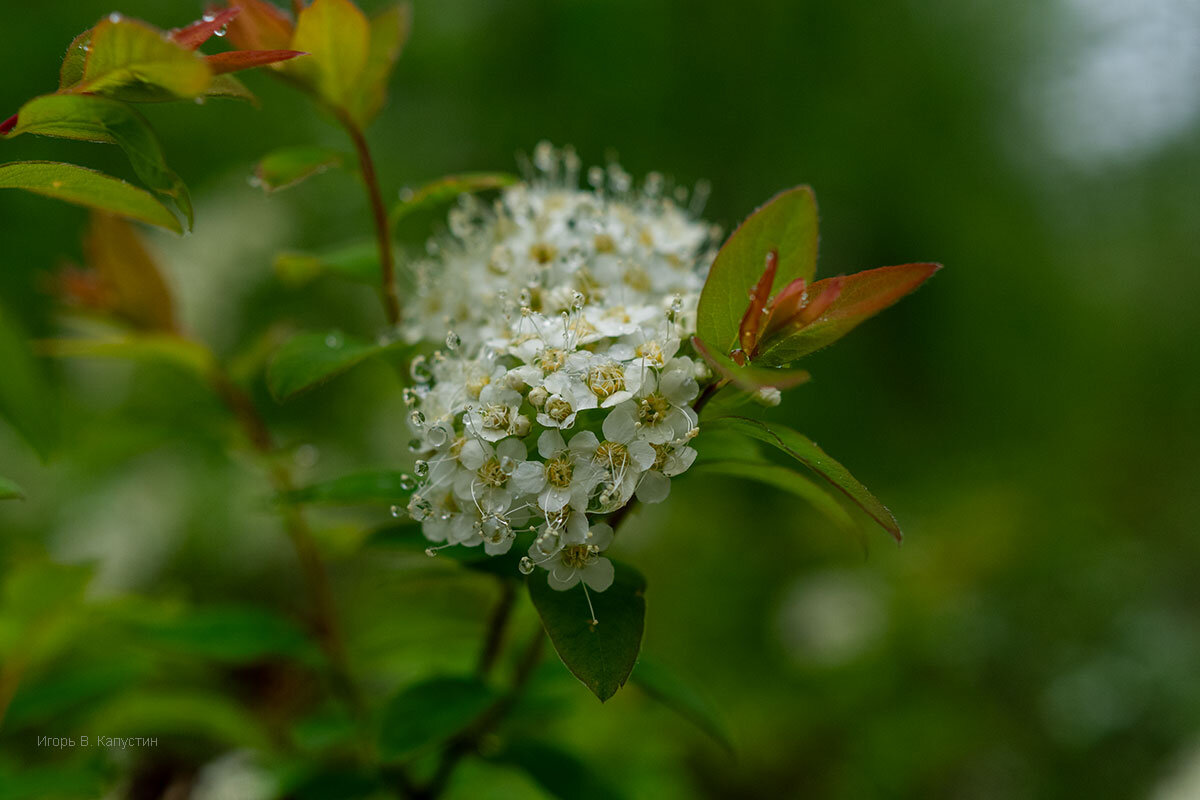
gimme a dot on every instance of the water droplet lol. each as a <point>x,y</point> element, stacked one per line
<point>397,511</point>
<point>525,565</point>
<point>115,17</point>
<point>221,31</point>
<point>407,482</point>
<point>411,398</point>
<point>421,468</point>
<point>577,300</point>
<point>415,446</point>
<point>507,464</point>
<point>419,508</point>
<point>333,340</point>
<point>438,435</point>
<point>452,341</point>
<point>417,419</point>
<point>208,16</point>
<point>418,370</point>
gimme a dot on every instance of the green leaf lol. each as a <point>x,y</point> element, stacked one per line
<point>382,485</point>
<point>357,261</point>
<point>71,71</point>
<point>166,348</point>
<point>749,377</point>
<point>9,490</point>
<point>601,655</point>
<point>805,451</point>
<point>231,634</point>
<point>430,712</point>
<point>130,60</point>
<point>25,398</point>
<point>560,772</point>
<point>787,223</point>
<point>673,692</point>
<point>863,295</point>
<point>92,118</point>
<point>288,166</point>
<point>309,359</point>
<point>448,188</point>
<point>86,187</point>
<point>789,481</point>
<point>230,88</point>
<point>337,37</point>
<point>389,31</point>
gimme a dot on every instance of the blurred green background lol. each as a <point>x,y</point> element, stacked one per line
<point>1030,416</point>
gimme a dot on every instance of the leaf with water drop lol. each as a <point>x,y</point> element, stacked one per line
<point>129,60</point>
<point>862,296</point>
<point>787,223</point>
<point>92,118</point>
<point>86,187</point>
<point>446,189</point>
<point>310,359</point>
<point>288,166</point>
<point>600,655</point>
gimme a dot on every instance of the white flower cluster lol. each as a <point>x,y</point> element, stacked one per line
<point>561,392</point>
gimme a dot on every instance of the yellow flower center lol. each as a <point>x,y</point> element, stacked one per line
<point>492,474</point>
<point>558,409</point>
<point>653,409</point>
<point>558,472</point>
<point>576,556</point>
<point>613,455</point>
<point>651,351</point>
<point>496,416</point>
<point>551,359</point>
<point>542,253</point>
<point>606,380</point>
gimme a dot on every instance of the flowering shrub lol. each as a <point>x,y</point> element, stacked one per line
<point>570,342</point>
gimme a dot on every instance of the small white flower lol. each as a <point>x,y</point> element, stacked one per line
<point>669,460</point>
<point>573,563</point>
<point>568,396</point>
<point>496,415</point>
<point>565,476</point>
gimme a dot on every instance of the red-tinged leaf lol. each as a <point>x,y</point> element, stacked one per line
<point>787,223</point>
<point>862,296</point>
<point>237,60</point>
<point>826,293</point>
<point>260,26</point>
<point>752,320</point>
<point>804,450</point>
<point>8,124</point>
<point>789,300</point>
<point>129,60</point>
<point>749,378</point>
<point>116,253</point>
<point>200,31</point>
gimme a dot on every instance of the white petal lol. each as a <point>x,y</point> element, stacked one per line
<point>562,578</point>
<point>511,448</point>
<point>530,476</point>
<point>654,487</point>
<point>473,454</point>
<point>584,443</point>
<point>553,499</point>
<point>598,575</point>
<point>602,535</point>
<point>619,424</point>
<point>550,442</point>
<point>643,454</point>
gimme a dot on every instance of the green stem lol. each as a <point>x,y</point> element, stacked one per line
<point>383,230</point>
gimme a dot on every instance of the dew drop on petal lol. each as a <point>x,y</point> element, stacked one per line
<point>397,511</point>
<point>525,565</point>
<point>407,482</point>
<point>452,341</point>
<point>421,468</point>
<point>417,419</point>
<point>208,16</point>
